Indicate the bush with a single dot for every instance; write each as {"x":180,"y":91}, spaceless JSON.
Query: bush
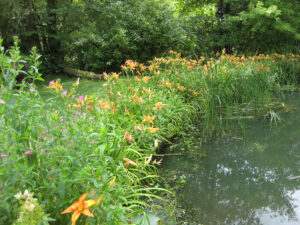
{"x":123,"y":30}
{"x":263,"y":28}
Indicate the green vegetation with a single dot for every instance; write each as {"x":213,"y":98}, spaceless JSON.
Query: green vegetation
{"x":249,"y":26}
{"x":100,"y":35}
{"x":59,"y":151}
{"x":94,"y":35}
{"x":69,"y":144}
{"x":67,"y":140}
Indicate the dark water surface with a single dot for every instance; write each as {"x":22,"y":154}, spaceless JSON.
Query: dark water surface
{"x":244,"y":181}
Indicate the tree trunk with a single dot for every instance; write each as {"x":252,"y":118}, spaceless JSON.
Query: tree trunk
{"x":54,"y":54}
{"x":30,"y":36}
{"x":220,"y":11}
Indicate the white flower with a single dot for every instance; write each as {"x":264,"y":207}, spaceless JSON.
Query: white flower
{"x":19,"y":196}
{"x":26,"y":193}
{"x":29,"y":207}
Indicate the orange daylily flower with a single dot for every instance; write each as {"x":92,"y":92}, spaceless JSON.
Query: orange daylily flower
{"x":151,"y":68}
{"x":159,"y":105}
{"x":168,"y":84}
{"x":129,"y":162}
{"x":114,"y":108}
{"x":104,"y":105}
{"x":115,"y":76}
{"x":145,"y":79}
{"x":84,"y":100}
{"x":128,"y":137}
{"x":150,"y":95}
{"x":80,"y":206}
{"x":142,"y":67}
{"x":148,"y":119}
{"x":144,"y":90}
{"x":153,"y":130}
{"x":130,"y":89}
{"x":105,"y":76}
{"x":55,"y":85}
{"x":140,"y":100}
{"x":131,"y":64}
{"x":126,"y":111}
{"x":80,"y":101}
{"x":181,"y":88}
{"x":90,"y":107}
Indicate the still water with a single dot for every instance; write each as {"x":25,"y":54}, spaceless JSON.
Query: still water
{"x":250,"y":180}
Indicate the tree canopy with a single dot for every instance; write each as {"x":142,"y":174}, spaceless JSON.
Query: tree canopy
{"x":100,"y":35}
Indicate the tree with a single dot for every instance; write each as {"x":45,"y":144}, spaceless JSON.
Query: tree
{"x":38,"y":23}
{"x":188,"y":5}
{"x":243,"y":26}
{"x":91,"y":34}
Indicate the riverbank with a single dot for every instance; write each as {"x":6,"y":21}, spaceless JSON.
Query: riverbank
{"x":105,"y":144}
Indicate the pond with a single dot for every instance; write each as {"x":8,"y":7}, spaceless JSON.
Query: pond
{"x":249,"y":180}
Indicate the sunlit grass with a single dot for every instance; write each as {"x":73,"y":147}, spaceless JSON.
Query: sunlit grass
{"x":87,"y":86}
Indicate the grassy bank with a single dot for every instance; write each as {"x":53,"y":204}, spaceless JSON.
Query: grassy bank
{"x":104,"y":144}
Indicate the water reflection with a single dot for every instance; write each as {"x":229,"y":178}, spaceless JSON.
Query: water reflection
{"x":244,"y":182}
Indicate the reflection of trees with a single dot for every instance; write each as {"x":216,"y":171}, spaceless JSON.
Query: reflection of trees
{"x":227,"y":196}
{"x":237,"y":186}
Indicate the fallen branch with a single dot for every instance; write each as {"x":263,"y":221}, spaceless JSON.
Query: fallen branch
{"x":292,"y":178}
{"x":171,"y":154}
{"x":80,"y":73}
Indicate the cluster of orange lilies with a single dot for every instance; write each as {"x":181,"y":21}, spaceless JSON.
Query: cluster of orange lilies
{"x":140,"y":90}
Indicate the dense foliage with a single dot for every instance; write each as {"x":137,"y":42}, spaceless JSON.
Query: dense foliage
{"x":249,"y":26}
{"x":100,"y":35}
{"x":69,"y":144}
{"x":65,"y":146}
{"x":96,"y":35}
{"x":120,"y":30}
{"x":95,"y":155}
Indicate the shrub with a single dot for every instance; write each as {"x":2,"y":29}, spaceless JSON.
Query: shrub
{"x":262,"y":28}
{"x":123,"y":30}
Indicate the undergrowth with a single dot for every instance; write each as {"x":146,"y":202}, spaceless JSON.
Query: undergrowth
{"x":70,"y":144}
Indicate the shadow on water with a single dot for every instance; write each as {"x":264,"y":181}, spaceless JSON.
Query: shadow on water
{"x":240,"y":181}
